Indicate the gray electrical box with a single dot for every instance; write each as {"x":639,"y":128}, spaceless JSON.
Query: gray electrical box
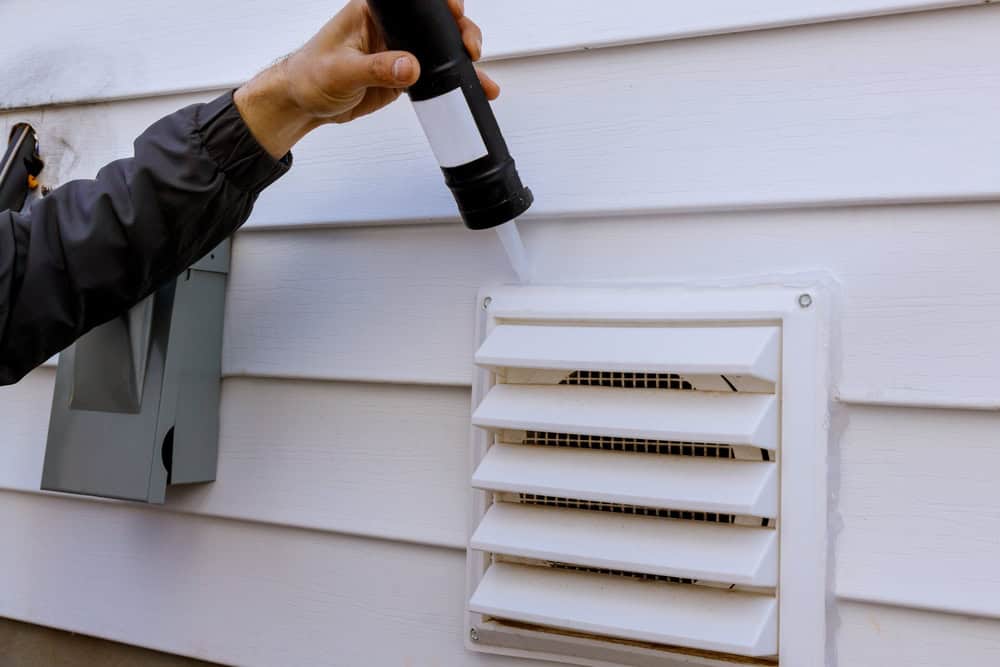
{"x":136,"y":404}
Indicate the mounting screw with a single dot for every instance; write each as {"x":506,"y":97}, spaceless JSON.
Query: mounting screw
{"x":474,"y":635}
{"x":486,"y":302}
{"x":805,"y":300}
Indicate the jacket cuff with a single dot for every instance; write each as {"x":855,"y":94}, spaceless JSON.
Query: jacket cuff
{"x":234,"y":149}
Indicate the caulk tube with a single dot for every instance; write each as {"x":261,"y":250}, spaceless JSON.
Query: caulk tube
{"x":454,"y":112}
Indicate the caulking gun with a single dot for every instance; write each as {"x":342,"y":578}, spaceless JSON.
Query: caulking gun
{"x":458,"y":120}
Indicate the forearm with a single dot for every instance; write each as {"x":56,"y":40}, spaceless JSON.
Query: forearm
{"x":91,"y":249}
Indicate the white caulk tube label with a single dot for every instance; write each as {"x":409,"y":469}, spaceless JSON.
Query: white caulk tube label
{"x":451,"y":129}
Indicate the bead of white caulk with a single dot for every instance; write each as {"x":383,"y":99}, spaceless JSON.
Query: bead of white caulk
{"x":510,"y":237}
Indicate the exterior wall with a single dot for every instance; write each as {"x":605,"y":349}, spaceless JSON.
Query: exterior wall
{"x":864,"y":149}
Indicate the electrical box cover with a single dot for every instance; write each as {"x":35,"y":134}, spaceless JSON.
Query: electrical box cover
{"x":136,"y":404}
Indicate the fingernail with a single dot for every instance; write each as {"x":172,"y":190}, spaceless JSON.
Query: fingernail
{"x":402,"y":69}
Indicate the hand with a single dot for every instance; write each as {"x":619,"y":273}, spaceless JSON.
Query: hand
{"x":342,"y":73}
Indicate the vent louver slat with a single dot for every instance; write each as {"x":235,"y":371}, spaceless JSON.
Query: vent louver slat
{"x":688,"y":549}
{"x":670,"y":482}
{"x":670,"y":614}
{"x":738,"y":351}
{"x":709,"y":417}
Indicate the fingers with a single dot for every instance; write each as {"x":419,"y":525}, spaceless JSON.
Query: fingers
{"x":472,"y":37}
{"x":399,"y":69}
{"x":490,"y":87}
{"x":389,"y":69}
{"x":457,"y":8}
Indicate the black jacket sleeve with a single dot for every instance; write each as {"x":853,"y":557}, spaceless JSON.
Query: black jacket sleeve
{"x":90,"y":250}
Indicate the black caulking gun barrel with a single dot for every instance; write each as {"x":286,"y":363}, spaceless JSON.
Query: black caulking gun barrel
{"x":455,"y":114}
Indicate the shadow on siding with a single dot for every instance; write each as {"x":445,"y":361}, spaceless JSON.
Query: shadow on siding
{"x":24,"y":645}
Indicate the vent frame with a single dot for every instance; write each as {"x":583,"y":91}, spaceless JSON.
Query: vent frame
{"x":804,"y":380}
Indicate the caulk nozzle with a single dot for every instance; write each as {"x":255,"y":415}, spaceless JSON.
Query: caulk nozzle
{"x":510,"y":237}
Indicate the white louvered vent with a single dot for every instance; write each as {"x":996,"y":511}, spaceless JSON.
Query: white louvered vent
{"x":633,"y":456}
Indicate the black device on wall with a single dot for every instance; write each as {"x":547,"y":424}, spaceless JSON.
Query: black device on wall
{"x":19,"y":168}
{"x":454,"y":112}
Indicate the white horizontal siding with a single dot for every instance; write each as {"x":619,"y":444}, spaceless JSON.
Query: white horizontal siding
{"x":24,"y":416}
{"x":388,"y":304}
{"x":75,"y":57}
{"x":916,"y":495}
{"x":824,"y":114}
{"x":817,"y":114}
{"x":918,"y":313}
{"x":877,"y":636}
{"x":333,"y":599}
{"x":372,"y":460}
{"x":919,"y":505}
{"x":383,"y":461}
{"x":918,"y":310}
{"x":231,"y":592}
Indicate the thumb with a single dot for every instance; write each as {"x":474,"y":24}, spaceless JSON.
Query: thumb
{"x":389,"y":69}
